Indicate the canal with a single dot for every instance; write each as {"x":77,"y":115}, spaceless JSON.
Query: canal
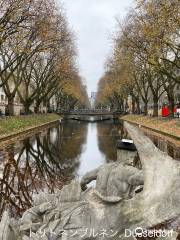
{"x":52,"y":158}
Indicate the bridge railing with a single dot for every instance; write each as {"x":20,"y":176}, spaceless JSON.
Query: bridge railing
{"x":90,"y":111}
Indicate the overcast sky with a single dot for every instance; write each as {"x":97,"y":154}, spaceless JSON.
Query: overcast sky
{"x":93,"y":21}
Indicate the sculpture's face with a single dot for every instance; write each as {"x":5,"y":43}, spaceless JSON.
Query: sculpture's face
{"x":126,"y":157}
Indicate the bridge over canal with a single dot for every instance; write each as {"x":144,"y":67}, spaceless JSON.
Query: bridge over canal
{"x":91,"y":115}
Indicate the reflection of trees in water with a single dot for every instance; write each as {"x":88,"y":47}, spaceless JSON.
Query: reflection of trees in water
{"x":107,"y":139}
{"x":70,"y":142}
{"x":44,"y":162}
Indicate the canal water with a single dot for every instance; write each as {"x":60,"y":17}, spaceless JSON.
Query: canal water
{"x":52,"y":158}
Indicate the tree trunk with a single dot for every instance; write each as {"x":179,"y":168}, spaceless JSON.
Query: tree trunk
{"x":27,"y":108}
{"x":171,"y":105}
{"x":48,"y":106}
{"x":133,"y":105}
{"x":146,"y":108}
{"x":10,"y":106}
{"x":36,"y":108}
{"x":138,"y":106}
{"x":155,"y":106}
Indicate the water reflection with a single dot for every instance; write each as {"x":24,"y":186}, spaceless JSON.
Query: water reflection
{"x":44,"y":162}
{"x":107,"y":138}
{"x":91,"y":157}
{"x":100,"y":146}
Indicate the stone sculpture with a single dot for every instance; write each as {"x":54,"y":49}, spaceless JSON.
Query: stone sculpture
{"x":105,"y":213}
{"x":116,"y":180}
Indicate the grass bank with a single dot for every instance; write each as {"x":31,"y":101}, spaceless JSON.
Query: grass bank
{"x":17,"y":124}
{"x":168,"y":127}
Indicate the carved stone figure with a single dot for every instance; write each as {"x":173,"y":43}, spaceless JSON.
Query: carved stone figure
{"x":75,"y":214}
{"x":116,"y":179}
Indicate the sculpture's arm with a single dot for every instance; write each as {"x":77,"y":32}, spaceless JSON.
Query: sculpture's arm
{"x":136,"y":178}
{"x":89,"y":177}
